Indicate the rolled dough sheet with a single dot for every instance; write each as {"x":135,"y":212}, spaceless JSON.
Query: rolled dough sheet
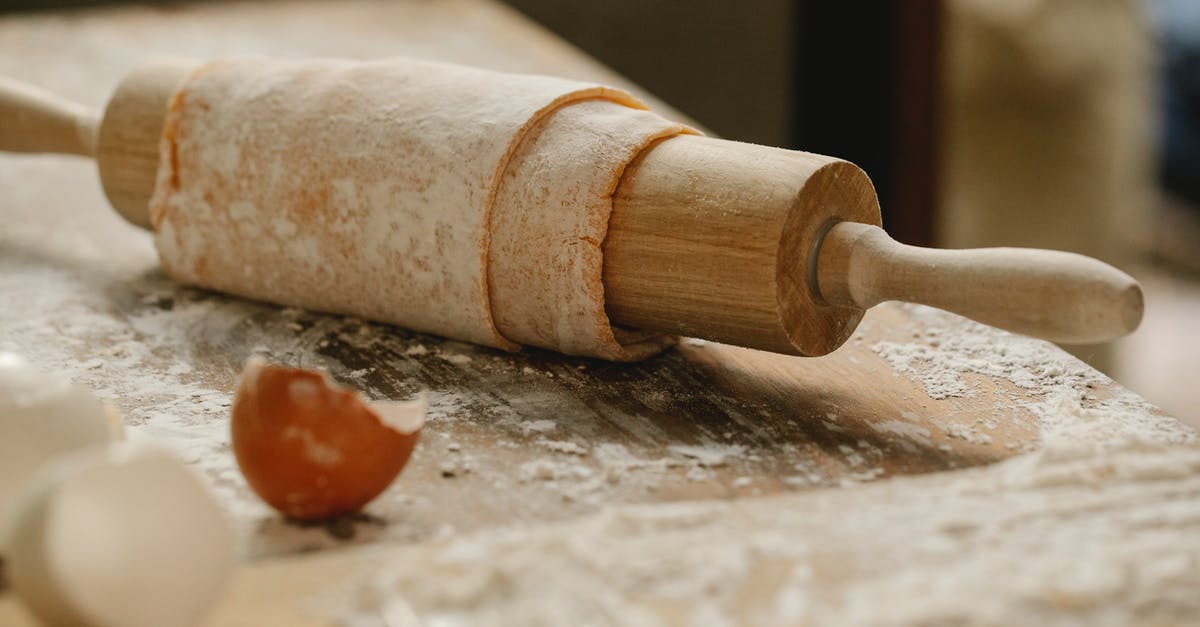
{"x":355,"y":187}
{"x":551,"y":216}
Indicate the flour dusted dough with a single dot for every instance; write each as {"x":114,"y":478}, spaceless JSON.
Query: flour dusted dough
{"x":353,"y":187}
{"x":551,"y":216}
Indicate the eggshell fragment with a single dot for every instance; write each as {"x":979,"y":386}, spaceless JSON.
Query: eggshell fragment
{"x":42,"y":415}
{"x":311,"y":448}
{"x":120,"y":535}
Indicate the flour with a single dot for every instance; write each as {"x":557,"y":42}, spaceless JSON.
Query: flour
{"x":903,"y":428}
{"x":952,"y":349}
{"x":538,"y":426}
{"x":552,"y":470}
{"x":133,"y":340}
{"x":710,"y":455}
{"x":457,"y":359}
{"x":1095,"y":526}
{"x":621,"y":466}
{"x":953,"y":352}
{"x":1054,"y":537}
{"x":560,"y":446}
{"x":598,"y":475}
{"x":456,"y":466}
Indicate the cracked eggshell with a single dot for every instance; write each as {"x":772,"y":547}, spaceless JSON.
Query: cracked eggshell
{"x":121,"y":535}
{"x":313,"y":449}
{"x":42,"y":415}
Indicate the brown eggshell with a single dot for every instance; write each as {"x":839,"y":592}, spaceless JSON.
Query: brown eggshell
{"x":311,"y":448}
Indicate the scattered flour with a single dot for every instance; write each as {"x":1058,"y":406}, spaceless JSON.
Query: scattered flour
{"x":457,"y":359}
{"x":456,"y":466}
{"x":710,"y":455}
{"x":416,"y":350}
{"x":538,"y":426}
{"x":952,"y":349}
{"x":545,"y":469}
{"x":560,"y":446}
{"x":952,"y":346}
{"x":905,"y":429}
{"x":1068,"y":537}
{"x":1099,"y":525}
{"x":132,"y":336}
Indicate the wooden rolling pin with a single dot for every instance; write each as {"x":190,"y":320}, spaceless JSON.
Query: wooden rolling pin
{"x":738,"y":243}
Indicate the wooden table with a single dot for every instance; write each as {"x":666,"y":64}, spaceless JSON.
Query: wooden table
{"x":514,"y":439}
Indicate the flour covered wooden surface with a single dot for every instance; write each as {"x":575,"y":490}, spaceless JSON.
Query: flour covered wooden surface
{"x":552,"y":450}
{"x":1084,"y":534}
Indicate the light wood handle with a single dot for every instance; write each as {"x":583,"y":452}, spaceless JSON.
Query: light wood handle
{"x":124,"y":141}
{"x":37,"y":121}
{"x":1053,"y":295}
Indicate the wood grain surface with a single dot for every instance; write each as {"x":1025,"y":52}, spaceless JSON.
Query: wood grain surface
{"x":789,"y":423}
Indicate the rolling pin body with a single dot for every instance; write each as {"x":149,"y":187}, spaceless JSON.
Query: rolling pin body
{"x":712,"y":238}
{"x":738,"y":243}
{"x":781,"y":250}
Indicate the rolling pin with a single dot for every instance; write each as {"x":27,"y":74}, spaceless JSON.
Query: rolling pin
{"x":743,"y":244}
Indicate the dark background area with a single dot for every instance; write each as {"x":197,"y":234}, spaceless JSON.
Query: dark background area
{"x":856,"y":80}
{"x":30,"y":5}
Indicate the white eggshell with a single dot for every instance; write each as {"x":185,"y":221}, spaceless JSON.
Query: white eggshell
{"x":121,"y":535}
{"x":42,"y":415}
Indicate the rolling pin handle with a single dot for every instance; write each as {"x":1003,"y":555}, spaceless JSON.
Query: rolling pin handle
{"x":1057,"y":296}
{"x":33,"y":120}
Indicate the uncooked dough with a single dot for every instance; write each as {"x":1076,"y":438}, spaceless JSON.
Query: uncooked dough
{"x":368,"y":188}
{"x":551,"y":216}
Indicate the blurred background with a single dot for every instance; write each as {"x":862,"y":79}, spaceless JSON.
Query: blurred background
{"x":1068,"y":124}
